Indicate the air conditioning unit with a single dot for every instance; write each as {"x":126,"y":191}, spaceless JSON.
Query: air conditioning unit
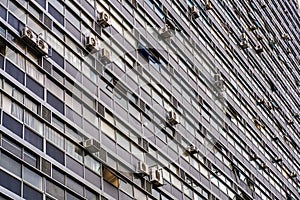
{"x":244,"y":44}
{"x":207,"y":5}
{"x":285,"y":36}
{"x":219,"y":82}
{"x":172,"y":117}
{"x":220,"y":85}
{"x":260,"y":101}
{"x":258,"y":48}
{"x":244,"y":36}
{"x":192,"y":149}
{"x":42,"y":46}
{"x":194,"y":12}
{"x":104,"y":19}
{"x":142,"y":168}
{"x":293,"y":174}
{"x":166,"y":32}
{"x":91,"y":145}
{"x":277,"y":159}
{"x":104,"y":56}
{"x":217,"y":77}
{"x":28,"y":35}
{"x":290,"y":121}
{"x":156,"y":177}
{"x":90,"y":42}
{"x":253,"y":156}
{"x":288,"y":50}
{"x":252,"y":27}
{"x":264,"y":165}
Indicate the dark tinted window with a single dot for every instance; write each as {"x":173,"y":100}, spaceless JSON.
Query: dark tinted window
{"x":55,"y":153}
{"x":12,"y":70}
{"x":54,"y":190}
{"x":33,"y":139}
{"x":2,"y":12}
{"x":13,"y":21}
{"x":57,"y":58}
{"x":10,"y":183}
{"x":30,"y":193}
{"x":42,"y":3}
{"x":12,"y":124}
{"x":59,"y":17}
{"x":55,"y":102}
{"x":35,"y":87}
{"x":74,"y":166}
{"x":1,"y":57}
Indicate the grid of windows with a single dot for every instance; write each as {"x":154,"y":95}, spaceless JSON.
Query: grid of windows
{"x":94,"y":123}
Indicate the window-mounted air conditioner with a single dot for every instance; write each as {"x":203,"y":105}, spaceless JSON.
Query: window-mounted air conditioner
{"x":156,"y":177}
{"x":218,"y":81}
{"x":192,"y":149}
{"x":293,"y":174}
{"x":285,"y":36}
{"x":28,"y":35}
{"x":244,"y":36}
{"x":104,"y":56}
{"x":166,"y":32}
{"x":252,"y":27}
{"x":277,"y":159}
{"x":260,"y":101}
{"x":91,"y":42}
{"x":290,"y":121}
{"x":91,"y":145}
{"x":42,"y":46}
{"x":104,"y":19}
{"x":264,"y":165}
{"x":244,"y":44}
{"x":194,"y":12}
{"x":173,"y":118}
{"x":258,"y":48}
{"x":142,"y":168}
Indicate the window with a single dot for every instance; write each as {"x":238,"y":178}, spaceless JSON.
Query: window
{"x":92,"y":164}
{"x":55,"y":153}
{"x":33,"y":139}
{"x":12,"y":124}
{"x":32,"y":177}
{"x":74,"y":185}
{"x":110,"y":177}
{"x":54,"y":190}
{"x":10,"y":183}
{"x":55,"y":102}
{"x":30,"y":193}
{"x":34,"y":123}
{"x":10,"y":164}
{"x":74,"y":150}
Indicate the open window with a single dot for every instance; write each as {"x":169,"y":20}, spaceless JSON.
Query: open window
{"x":110,"y":177}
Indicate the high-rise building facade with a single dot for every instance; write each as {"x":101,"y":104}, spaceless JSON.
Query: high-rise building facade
{"x":149,"y":99}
